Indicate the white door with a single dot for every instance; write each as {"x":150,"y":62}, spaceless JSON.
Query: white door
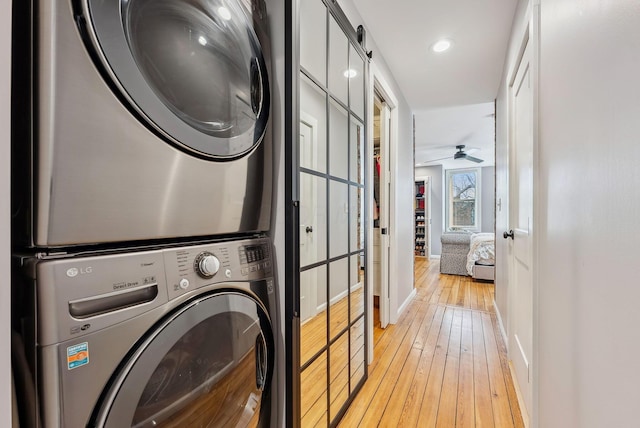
{"x":385,"y":207}
{"x":308,"y":287}
{"x":521,"y":220}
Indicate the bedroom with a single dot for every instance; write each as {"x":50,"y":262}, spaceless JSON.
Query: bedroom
{"x":459,"y":187}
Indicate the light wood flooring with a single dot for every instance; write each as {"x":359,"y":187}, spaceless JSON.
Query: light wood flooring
{"x":444,"y":364}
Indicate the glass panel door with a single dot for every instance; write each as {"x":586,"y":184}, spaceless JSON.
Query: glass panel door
{"x":331,"y":219}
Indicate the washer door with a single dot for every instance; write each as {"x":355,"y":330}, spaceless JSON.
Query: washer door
{"x":193,"y":69}
{"x":208,"y":364}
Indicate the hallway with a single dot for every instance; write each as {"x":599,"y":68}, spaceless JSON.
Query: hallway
{"x":443,"y":364}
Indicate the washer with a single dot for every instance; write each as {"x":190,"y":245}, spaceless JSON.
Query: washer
{"x":142,"y":120}
{"x":173,"y":337}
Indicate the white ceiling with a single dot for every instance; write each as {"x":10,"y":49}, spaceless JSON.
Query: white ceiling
{"x":439,"y":131}
{"x":460,"y":79}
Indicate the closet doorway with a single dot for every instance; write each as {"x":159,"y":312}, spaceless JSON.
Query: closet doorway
{"x":381,"y":209}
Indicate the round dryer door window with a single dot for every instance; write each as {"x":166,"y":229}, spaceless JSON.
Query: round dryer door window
{"x":208,"y":364}
{"x":192,"y":69}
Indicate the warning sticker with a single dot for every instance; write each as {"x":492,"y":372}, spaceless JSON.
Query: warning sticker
{"x":77,"y":355}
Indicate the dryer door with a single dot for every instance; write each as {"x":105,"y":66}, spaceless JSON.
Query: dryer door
{"x":208,"y":364}
{"x":192,"y":69}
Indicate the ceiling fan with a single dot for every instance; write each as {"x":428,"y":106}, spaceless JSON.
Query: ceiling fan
{"x":460,"y":154}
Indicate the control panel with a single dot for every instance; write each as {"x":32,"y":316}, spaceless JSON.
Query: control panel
{"x":192,"y":267}
{"x":97,"y":291}
{"x":254,"y":258}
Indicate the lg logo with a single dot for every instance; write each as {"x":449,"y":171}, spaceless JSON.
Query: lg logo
{"x":72,"y":272}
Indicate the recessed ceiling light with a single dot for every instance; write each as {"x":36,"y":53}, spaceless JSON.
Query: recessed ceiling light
{"x":202,"y":41}
{"x":441,"y":45}
{"x":224,"y":13}
{"x":350,"y":73}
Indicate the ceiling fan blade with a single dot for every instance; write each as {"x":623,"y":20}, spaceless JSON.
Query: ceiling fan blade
{"x":472,"y":159}
{"x":436,"y":160}
{"x":464,"y":139}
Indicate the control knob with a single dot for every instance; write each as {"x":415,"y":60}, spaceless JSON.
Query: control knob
{"x":206,"y":264}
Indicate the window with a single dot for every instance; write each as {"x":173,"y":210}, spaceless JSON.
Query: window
{"x":463,"y":204}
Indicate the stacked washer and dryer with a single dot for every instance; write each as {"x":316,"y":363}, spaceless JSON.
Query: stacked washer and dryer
{"x":144,"y":290}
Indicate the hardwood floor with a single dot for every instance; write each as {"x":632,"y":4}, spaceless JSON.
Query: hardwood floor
{"x":444,"y":363}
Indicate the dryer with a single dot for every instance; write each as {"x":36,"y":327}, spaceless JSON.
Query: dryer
{"x":172,"y":337}
{"x":141,"y":120}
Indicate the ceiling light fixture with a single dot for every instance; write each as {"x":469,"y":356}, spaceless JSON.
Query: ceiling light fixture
{"x":224,"y":13}
{"x":350,"y":73}
{"x":202,"y":41}
{"x":441,"y":45}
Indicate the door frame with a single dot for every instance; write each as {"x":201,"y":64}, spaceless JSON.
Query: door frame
{"x":384,"y":194}
{"x":530,"y":35}
{"x":379,"y":83}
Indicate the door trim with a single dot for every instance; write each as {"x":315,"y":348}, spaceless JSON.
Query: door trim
{"x":380,"y":84}
{"x":384,"y":212}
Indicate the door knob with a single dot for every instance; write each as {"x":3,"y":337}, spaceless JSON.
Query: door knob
{"x":508,"y":234}
{"x":308,"y":229}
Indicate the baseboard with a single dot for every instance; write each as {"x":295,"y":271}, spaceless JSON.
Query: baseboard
{"x":501,"y":325}
{"x":434,"y":257}
{"x":339,"y":297}
{"x":406,"y":303}
{"x":524,"y":412}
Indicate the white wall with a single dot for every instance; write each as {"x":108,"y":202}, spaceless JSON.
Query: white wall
{"x":5,"y":213}
{"x":589,"y":212}
{"x":488,"y":201}
{"x":402,"y":183}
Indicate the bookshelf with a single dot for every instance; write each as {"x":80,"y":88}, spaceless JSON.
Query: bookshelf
{"x":421,"y":220}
